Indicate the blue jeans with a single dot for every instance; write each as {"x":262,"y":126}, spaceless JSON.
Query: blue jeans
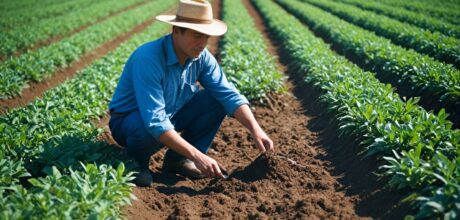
{"x":199,"y":120}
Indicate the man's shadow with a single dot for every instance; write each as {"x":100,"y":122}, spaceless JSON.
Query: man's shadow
{"x":256,"y":170}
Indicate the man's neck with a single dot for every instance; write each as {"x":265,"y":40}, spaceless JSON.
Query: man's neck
{"x":181,"y":56}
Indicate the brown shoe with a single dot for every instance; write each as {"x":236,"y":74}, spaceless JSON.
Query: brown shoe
{"x":184,"y":167}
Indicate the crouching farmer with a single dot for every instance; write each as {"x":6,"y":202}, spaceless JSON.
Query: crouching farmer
{"x":159,"y":95}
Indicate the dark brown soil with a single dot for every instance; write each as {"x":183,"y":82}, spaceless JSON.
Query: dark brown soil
{"x":291,"y":183}
{"x":36,"y":90}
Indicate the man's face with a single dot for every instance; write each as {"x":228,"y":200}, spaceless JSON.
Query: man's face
{"x":191,"y":42}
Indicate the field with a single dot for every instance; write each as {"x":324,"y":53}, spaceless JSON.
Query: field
{"x":361,"y":99}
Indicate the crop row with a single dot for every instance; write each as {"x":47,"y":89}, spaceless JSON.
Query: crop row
{"x":422,"y":74}
{"x":245,"y":58}
{"x":26,"y":4}
{"x":421,"y":20}
{"x":42,"y":63}
{"x":25,"y":36}
{"x":53,"y":135}
{"x":15,"y":19}
{"x":364,"y":108}
{"x":433,"y":8}
{"x":434,"y":44}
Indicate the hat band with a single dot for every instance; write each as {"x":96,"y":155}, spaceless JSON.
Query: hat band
{"x":192,"y":20}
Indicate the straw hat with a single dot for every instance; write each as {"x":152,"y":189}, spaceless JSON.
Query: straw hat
{"x":196,"y":15}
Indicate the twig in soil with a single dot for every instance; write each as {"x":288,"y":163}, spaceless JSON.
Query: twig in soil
{"x":270,"y":104}
{"x":291,"y":161}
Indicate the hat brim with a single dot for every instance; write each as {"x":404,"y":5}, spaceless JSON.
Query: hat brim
{"x":215,"y":28}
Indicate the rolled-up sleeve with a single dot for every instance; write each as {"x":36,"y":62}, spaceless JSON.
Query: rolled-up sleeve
{"x":147,"y":80}
{"x":213,"y":79}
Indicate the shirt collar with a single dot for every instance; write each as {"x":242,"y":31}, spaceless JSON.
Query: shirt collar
{"x":171,"y":57}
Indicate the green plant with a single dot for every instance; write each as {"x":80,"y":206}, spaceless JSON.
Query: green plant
{"x":96,"y":192}
{"x":245,"y":58}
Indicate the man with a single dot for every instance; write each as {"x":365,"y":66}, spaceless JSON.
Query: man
{"x":174,"y":84}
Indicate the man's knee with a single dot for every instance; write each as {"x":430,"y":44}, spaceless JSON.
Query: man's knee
{"x":141,"y":138}
{"x":140,"y":145}
{"x":132,"y":134}
{"x":213,"y":104}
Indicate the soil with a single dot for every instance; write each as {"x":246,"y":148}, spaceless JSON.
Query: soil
{"x":291,"y":183}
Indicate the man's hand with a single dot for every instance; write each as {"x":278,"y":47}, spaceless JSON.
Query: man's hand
{"x":208,"y":166}
{"x":244,"y":115}
{"x":263,"y":142}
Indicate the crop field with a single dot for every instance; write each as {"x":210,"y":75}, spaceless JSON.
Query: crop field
{"x":361,"y":99}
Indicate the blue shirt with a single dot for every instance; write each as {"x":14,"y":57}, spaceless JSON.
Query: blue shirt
{"x":154,"y":82}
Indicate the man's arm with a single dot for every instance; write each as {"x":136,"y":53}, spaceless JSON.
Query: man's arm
{"x":214,"y":80}
{"x":244,"y":115}
{"x":204,"y":163}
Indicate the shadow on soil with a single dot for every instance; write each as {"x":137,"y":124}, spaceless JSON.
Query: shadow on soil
{"x":166,"y":178}
{"x":173,"y":190}
{"x":256,"y":170}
